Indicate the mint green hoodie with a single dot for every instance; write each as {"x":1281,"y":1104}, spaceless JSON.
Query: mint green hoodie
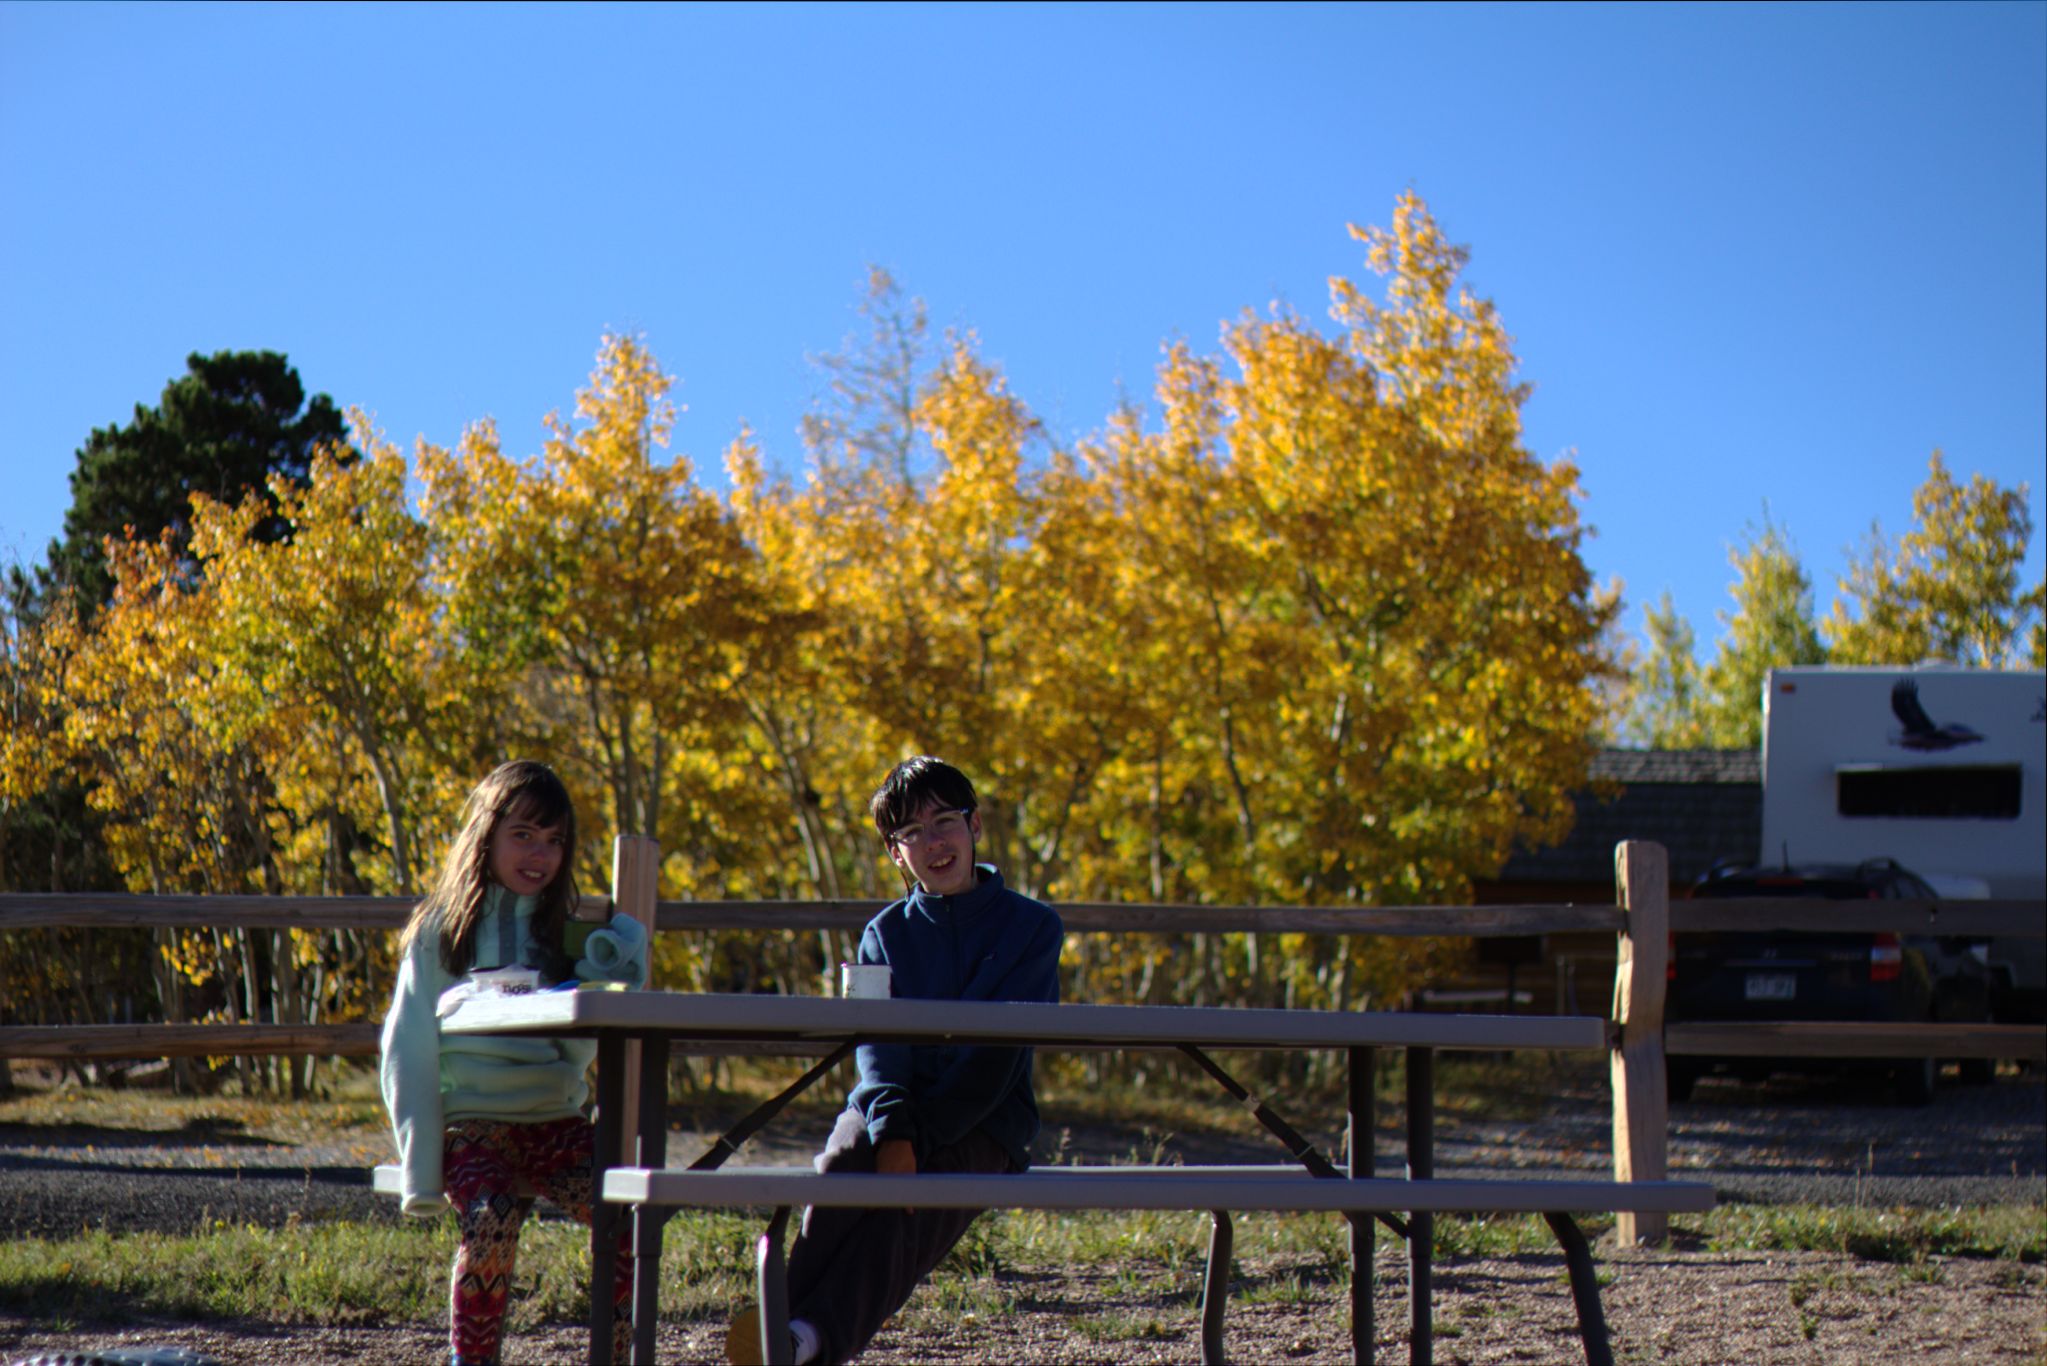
{"x":429,"y":1080}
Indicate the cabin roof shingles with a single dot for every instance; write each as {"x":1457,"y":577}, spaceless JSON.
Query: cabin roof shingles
{"x":1703,"y":805}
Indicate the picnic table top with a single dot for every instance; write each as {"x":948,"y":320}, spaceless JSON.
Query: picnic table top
{"x":812,"y":1019}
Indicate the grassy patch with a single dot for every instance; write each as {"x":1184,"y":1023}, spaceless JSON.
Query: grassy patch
{"x":977,"y":1253}
{"x":2013,"y":1232}
{"x":346,"y":1273}
{"x":343,"y":1273}
{"x":1177,"y":1099}
{"x":1092,"y":1238}
{"x":2015,"y":1276}
{"x":958,"y":1299}
{"x":1521,"y":1087}
{"x":72,"y":1113}
{"x":1106,"y":1328}
{"x":328,"y":1273}
{"x":1149,"y":1262}
{"x":1480,"y":1236}
{"x":1288,"y":1287}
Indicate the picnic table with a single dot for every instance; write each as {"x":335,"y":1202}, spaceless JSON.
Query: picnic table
{"x":658,"y":1020}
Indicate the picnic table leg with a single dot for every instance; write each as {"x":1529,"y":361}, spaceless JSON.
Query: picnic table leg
{"x":1363,"y":1062}
{"x":772,"y":1277}
{"x":1584,"y":1288}
{"x":729,"y":1142}
{"x":1421,"y":1224}
{"x":1215,"y":1287}
{"x":647,"y":1220}
{"x":604,"y":1215}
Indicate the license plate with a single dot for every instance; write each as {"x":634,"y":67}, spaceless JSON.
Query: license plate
{"x":1772,"y":986}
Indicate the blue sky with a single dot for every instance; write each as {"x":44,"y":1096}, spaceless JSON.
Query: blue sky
{"x":1750,"y":254}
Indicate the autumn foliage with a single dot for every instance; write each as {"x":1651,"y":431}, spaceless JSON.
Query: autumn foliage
{"x":1313,"y":629}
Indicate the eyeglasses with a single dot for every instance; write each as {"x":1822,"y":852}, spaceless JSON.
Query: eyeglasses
{"x":915,"y":833}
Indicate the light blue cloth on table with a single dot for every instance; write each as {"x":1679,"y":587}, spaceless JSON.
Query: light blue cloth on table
{"x":616,"y":953}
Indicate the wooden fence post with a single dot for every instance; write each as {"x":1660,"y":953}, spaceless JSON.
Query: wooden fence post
{"x":1641,"y":1099}
{"x":635,"y":869}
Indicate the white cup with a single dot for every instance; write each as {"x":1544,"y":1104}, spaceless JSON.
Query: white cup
{"x":507,"y":981}
{"x":864,"y":981}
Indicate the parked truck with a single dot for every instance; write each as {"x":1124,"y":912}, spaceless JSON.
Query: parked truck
{"x":1942,"y":769}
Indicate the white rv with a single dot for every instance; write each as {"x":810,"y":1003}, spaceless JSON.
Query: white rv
{"x":1943,"y":769}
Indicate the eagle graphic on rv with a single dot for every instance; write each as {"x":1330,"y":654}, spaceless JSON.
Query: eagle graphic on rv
{"x":1920,"y":732}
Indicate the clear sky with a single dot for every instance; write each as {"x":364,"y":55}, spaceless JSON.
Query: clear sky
{"x":1751,"y":255}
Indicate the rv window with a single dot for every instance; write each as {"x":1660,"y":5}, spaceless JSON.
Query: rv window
{"x":1986,"y":792}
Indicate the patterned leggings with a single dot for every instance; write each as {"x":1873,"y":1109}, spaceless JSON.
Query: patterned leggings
{"x":484,"y":1163}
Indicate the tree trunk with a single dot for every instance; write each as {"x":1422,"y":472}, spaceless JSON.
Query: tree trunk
{"x":393,"y":801}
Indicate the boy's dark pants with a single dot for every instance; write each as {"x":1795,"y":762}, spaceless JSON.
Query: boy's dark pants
{"x":851,"y":1269}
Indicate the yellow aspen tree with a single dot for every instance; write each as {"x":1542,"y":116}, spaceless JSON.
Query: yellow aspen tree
{"x":34,"y":655}
{"x":335,"y":621}
{"x":959,"y":593}
{"x":495,"y":593}
{"x":801,"y":731}
{"x":329,"y":634}
{"x":51,"y":974}
{"x":1498,"y":623}
{"x":836,"y":553}
{"x":1084,"y":685}
{"x":1666,"y":698}
{"x":653,"y":613}
{"x":1386,"y":590}
{"x":1950,"y":589}
{"x":1771,"y":627}
{"x":1210,"y":647}
{"x":173,"y":760}
{"x":1123,"y":683}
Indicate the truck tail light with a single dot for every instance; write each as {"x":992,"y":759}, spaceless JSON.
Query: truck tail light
{"x":1670,"y":963}
{"x":1886,"y":959}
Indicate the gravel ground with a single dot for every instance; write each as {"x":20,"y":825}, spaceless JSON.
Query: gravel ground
{"x":1670,"y":1308}
{"x":1781,"y":1142}
{"x":1784,"y":1141}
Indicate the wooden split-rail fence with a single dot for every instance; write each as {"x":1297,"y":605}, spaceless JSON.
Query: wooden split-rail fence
{"x":1643,"y":918}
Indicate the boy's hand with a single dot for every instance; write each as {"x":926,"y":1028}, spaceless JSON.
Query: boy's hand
{"x":896,"y":1157}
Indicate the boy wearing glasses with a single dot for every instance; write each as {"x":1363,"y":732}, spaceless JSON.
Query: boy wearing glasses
{"x":959,"y":935}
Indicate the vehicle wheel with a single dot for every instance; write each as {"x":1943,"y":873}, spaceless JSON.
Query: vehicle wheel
{"x":1915,"y":1078}
{"x":1682,"y":1074}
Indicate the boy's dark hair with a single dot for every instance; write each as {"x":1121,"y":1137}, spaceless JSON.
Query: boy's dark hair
{"x":913,"y":784}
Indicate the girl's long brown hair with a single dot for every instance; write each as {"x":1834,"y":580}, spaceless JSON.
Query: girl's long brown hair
{"x":520,"y":790}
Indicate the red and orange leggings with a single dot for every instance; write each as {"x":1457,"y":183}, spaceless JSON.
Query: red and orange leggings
{"x":484,"y":1163}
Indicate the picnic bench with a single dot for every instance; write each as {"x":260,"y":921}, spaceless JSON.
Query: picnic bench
{"x":1220,"y":1190}
{"x":644,"y":1187}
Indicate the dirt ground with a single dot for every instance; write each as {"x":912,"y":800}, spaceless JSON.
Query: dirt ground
{"x":1663,"y":1306}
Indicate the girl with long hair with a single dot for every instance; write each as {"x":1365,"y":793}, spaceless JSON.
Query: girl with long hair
{"x":480,"y":1122}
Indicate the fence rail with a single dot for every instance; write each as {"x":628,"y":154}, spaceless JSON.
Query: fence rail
{"x":102,"y":910}
{"x":99,"y":1042}
{"x":1974,"y":919}
{"x":1853,"y":1039}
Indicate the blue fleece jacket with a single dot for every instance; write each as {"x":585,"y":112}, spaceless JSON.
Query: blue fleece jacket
{"x":988,"y":944}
